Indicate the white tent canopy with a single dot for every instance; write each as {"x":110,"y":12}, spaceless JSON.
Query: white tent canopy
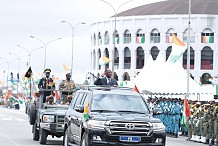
{"x":166,"y":78}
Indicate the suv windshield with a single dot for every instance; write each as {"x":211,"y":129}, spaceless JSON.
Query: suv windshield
{"x":118,"y":102}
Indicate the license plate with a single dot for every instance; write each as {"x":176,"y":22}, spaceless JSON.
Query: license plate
{"x":130,"y":138}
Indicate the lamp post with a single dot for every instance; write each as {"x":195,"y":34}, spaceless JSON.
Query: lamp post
{"x":18,"y":60}
{"x":45,"y":45}
{"x":29,"y":52}
{"x":6,"y":61}
{"x":114,"y":35}
{"x":73,"y":28}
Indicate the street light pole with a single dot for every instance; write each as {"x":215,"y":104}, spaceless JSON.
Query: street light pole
{"x":114,"y":35}
{"x":7,"y":69}
{"x":72,"y":27}
{"x":18,"y":62}
{"x":45,"y":45}
{"x":29,"y":52}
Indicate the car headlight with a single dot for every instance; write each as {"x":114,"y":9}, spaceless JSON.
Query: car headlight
{"x":96,"y":124}
{"x":158,"y":126}
{"x":48,"y":118}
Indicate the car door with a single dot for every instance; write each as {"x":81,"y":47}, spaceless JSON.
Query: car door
{"x":76,"y":119}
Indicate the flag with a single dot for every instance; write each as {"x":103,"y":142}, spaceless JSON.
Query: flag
{"x":186,"y":113}
{"x":28,"y":73}
{"x":178,"y":48}
{"x":86,"y":111}
{"x":56,"y":95}
{"x":104,"y":60}
{"x":9,"y":94}
{"x":136,"y":89}
{"x":66,"y":68}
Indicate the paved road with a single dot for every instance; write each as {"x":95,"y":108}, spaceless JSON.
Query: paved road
{"x":16,"y":131}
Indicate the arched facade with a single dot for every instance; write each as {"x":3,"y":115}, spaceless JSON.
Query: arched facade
{"x":135,"y":41}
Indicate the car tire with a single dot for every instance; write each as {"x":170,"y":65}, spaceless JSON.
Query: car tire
{"x":84,"y":141}
{"x":32,"y":114}
{"x":35,"y":132}
{"x":42,"y":136}
{"x":66,"y":140}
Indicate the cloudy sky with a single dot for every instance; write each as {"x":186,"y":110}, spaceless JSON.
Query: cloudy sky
{"x":20,"y":19}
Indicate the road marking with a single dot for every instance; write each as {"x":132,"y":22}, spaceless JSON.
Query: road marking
{"x":11,"y":140}
{"x":6,"y":119}
{"x":21,"y":120}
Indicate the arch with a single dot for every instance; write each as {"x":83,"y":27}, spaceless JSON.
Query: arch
{"x":127,"y":58}
{"x":116,"y":58}
{"x":99,"y":39}
{"x":192,"y":59}
{"x":155,"y":36}
{"x":154,"y":52}
{"x":99,"y":56}
{"x":94,"y":40}
{"x":94,"y":60}
{"x":185,"y":36}
{"x":127,"y":37}
{"x":168,"y":52}
{"x":106,"y":38}
{"x":126,"y":77}
{"x":117,"y":38}
{"x":169,"y":35}
{"x":106,"y":53}
{"x":205,"y":78}
{"x":140,"y":36}
{"x":207,"y":36}
{"x":140,"y":57}
{"x":207,"y":58}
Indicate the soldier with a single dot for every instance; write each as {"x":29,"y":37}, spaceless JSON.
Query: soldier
{"x":211,"y":123}
{"x":205,"y":124}
{"x":215,"y":116}
{"x":46,"y":83}
{"x":67,"y":87}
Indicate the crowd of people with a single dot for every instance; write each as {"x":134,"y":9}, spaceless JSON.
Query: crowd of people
{"x":201,"y":126}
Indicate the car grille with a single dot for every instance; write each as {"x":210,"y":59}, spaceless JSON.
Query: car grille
{"x":121,"y":128}
{"x":60,"y":120}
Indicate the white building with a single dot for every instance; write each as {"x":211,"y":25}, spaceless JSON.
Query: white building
{"x":148,"y":30}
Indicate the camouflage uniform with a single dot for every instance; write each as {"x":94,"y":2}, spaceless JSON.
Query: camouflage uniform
{"x":67,"y":88}
{"x":205,"y":125}
{"x":211,"y":124}
{"x":215,"y":115}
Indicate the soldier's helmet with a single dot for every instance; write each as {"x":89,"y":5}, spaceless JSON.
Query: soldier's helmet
{"x":47,"y":70}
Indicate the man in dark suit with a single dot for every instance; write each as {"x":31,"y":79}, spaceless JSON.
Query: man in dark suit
{"x":46,"y":83}
{"x":107,"y":80}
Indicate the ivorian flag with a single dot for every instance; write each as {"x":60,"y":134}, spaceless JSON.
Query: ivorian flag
{"x":178,"y":48}
{"x":104,"y":60}
{"x":86,"y":112}
{"x":186,"y":113}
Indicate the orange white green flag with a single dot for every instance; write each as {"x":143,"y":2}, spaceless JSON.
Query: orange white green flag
{"x":104,"y":60}
{"x":66,"y":68}
{"x":178,"y":48}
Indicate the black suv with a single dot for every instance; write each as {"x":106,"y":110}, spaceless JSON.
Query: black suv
{"x":116,"y":117}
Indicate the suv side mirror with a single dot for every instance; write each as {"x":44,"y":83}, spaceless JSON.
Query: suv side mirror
{"x":157,"y":111}
{"x":79,"y":108}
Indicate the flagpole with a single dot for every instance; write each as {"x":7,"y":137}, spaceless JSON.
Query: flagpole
{"x":188,"y":50}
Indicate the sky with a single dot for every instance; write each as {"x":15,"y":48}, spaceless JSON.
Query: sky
{"x":20,"y":19}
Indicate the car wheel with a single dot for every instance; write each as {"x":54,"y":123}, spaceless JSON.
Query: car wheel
{"x":32,"y":114}
{"x":42,"y":136}
{"x":84,"y":141}
{"x":66,"y":138}
{"x":35,"y":132}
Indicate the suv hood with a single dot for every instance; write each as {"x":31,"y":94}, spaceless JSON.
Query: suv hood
{"x":54,"y":111}
{"x":124,"y":117}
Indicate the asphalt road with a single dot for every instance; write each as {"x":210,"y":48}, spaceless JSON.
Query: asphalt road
{"x":16,"y":131}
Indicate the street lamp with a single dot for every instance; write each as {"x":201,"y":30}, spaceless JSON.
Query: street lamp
{"x":18,"y":62}
{"x":45,"y":45}
{"x":114,"y":35}
{"x":72,"y":27}
{"x":29,"y":52}
{"x":7,"y":69}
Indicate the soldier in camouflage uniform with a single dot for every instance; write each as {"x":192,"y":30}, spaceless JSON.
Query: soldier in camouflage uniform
{"x":215,"y":115}
{"x":211,"y":123}
{"x":205,"y":124}
{"x":67,"y":87}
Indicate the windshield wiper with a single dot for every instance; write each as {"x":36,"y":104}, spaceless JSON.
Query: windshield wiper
{"x":104,"y":111}
{"x":132,"y":112}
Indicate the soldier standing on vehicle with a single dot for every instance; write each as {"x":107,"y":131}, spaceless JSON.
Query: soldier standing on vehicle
{"x":67,"y":87}
{"x":47,"y":83}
